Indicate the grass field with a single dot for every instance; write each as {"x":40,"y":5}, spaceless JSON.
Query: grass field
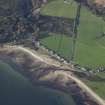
{"x":17,"y":90}
{"x":90,"y":50}
{"x":60,"y":44}
{"x":58,"y":8}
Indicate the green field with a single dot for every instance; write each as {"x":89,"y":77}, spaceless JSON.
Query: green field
{"x":97,"y":84}
{"x":17,"y":90}
{"x":58,"y":8}
{"x":53,"y":42}
{"x":90,"y":50}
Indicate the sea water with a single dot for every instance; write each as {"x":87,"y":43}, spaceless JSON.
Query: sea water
{"x":15,"y":89}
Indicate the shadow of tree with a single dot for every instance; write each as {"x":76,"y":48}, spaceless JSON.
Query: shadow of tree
{"x":54,"y":24}
{"x":43,"y":35}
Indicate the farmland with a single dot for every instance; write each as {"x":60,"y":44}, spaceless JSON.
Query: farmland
{"x":90,"y":49}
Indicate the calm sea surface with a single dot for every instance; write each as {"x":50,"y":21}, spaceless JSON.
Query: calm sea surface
{"x":17,"y":90}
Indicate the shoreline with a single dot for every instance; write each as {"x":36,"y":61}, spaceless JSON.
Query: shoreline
{"x":38,"y":71}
